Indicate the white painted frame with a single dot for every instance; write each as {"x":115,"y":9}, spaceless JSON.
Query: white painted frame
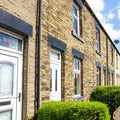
{"x":77,"y":17}
{"x":56,"y":63}
{"x":19,"y":55}
{"x":78,"y":72}
{"x":97,"y":40}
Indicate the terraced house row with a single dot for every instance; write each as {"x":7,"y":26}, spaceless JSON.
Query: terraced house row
{"x":51,"y":50}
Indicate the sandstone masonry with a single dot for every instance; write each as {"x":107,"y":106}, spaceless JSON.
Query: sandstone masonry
{"x":57,"y":34}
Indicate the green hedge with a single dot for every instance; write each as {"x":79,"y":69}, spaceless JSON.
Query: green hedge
{"x":110,"y":95}
{"x":73,"y":111}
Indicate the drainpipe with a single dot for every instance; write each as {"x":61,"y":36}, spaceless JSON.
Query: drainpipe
{"x":38,"y":46}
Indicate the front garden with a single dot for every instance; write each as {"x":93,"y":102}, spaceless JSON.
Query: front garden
{"x":107,"y":101}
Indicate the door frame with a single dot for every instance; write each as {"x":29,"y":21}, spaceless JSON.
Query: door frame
{"x":19,"y":55}
{"x":56,"y":62}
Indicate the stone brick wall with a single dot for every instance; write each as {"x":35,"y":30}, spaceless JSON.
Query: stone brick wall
{"x":111,"y":65}
{"x":59,"y":24}
{"x":26,"y":11}
{"x":103,"y":56}
{"x":57,"y":21}
{"x":89,"y":79}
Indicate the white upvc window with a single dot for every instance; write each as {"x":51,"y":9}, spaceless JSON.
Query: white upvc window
{"x":76,"y":19}
{"x":77,"y":77}
{"x":112,"y":75}
{"x":11,"y":42}
{"x":112,"y":55}
{"x":108,"y":78}
{"x":104,"y":77}
{"x":97,"y":40}
{"x":98,"y":77}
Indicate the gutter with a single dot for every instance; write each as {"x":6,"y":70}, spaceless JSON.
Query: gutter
{"x":38,"y":46}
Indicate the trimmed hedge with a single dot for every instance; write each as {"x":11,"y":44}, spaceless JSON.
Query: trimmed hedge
{"x":73,"y":111}
{"x":110,"y":95}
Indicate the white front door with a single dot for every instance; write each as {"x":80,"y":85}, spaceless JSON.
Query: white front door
{"x":10,"y":86}
{"x":55,"y":75}
{"x":10,"y":77}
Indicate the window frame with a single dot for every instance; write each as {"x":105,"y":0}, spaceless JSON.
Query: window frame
{"x":109,"y":78}
{"x":77,"y":18}
{"x":14,"y":35}
{"x":98,"y":76}
{"x":97,"y":40}
{"x":104,"y":77}
{"x":112,"y":77}
{"x":79,"y":73}
{"x":112,"y":55}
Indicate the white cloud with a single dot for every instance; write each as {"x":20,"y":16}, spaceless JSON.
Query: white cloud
{"x":118,"y":7}
{"x":118,"y":10}
{"x":111,"y":15}
{"x":95,"y":5}
{"x":98,"y":7}
{"x":113,"y":33}
{"x":119,"y":14}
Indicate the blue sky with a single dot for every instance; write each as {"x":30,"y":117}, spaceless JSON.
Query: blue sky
{"x":108,"y":12}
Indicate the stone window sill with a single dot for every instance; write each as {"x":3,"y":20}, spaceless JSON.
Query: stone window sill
{"x":77,"y":36}
{"x":98,"y":52}
{"x":79,"y":98}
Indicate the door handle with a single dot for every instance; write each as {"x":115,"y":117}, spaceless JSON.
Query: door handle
{"x":19,"y":97}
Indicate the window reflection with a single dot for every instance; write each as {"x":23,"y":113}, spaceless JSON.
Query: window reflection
{"x":10,"y":42}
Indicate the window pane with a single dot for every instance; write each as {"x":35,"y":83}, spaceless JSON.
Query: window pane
{"x":6,"y":115}
{"x":104,"y":77}
{"x":75,"y":25}
{"x":10,"y":42}
{"x":97,"y":40}
{"x":55,"y":55}
{"x":112,"y":79}
{"x":108,"y":81}
{"x":96,"y":34}
{"x":77,"y":77}
{"x":74,"y":10}
{"x":98,"y":77}
{"x":97,"y":45}
{"x":76,"y":65}
{"x":77,"y":84}
{"x":6,"y":79}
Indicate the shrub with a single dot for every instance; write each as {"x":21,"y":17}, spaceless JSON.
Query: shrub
{"x":73,"y":111}
{"x":110,"y":95}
